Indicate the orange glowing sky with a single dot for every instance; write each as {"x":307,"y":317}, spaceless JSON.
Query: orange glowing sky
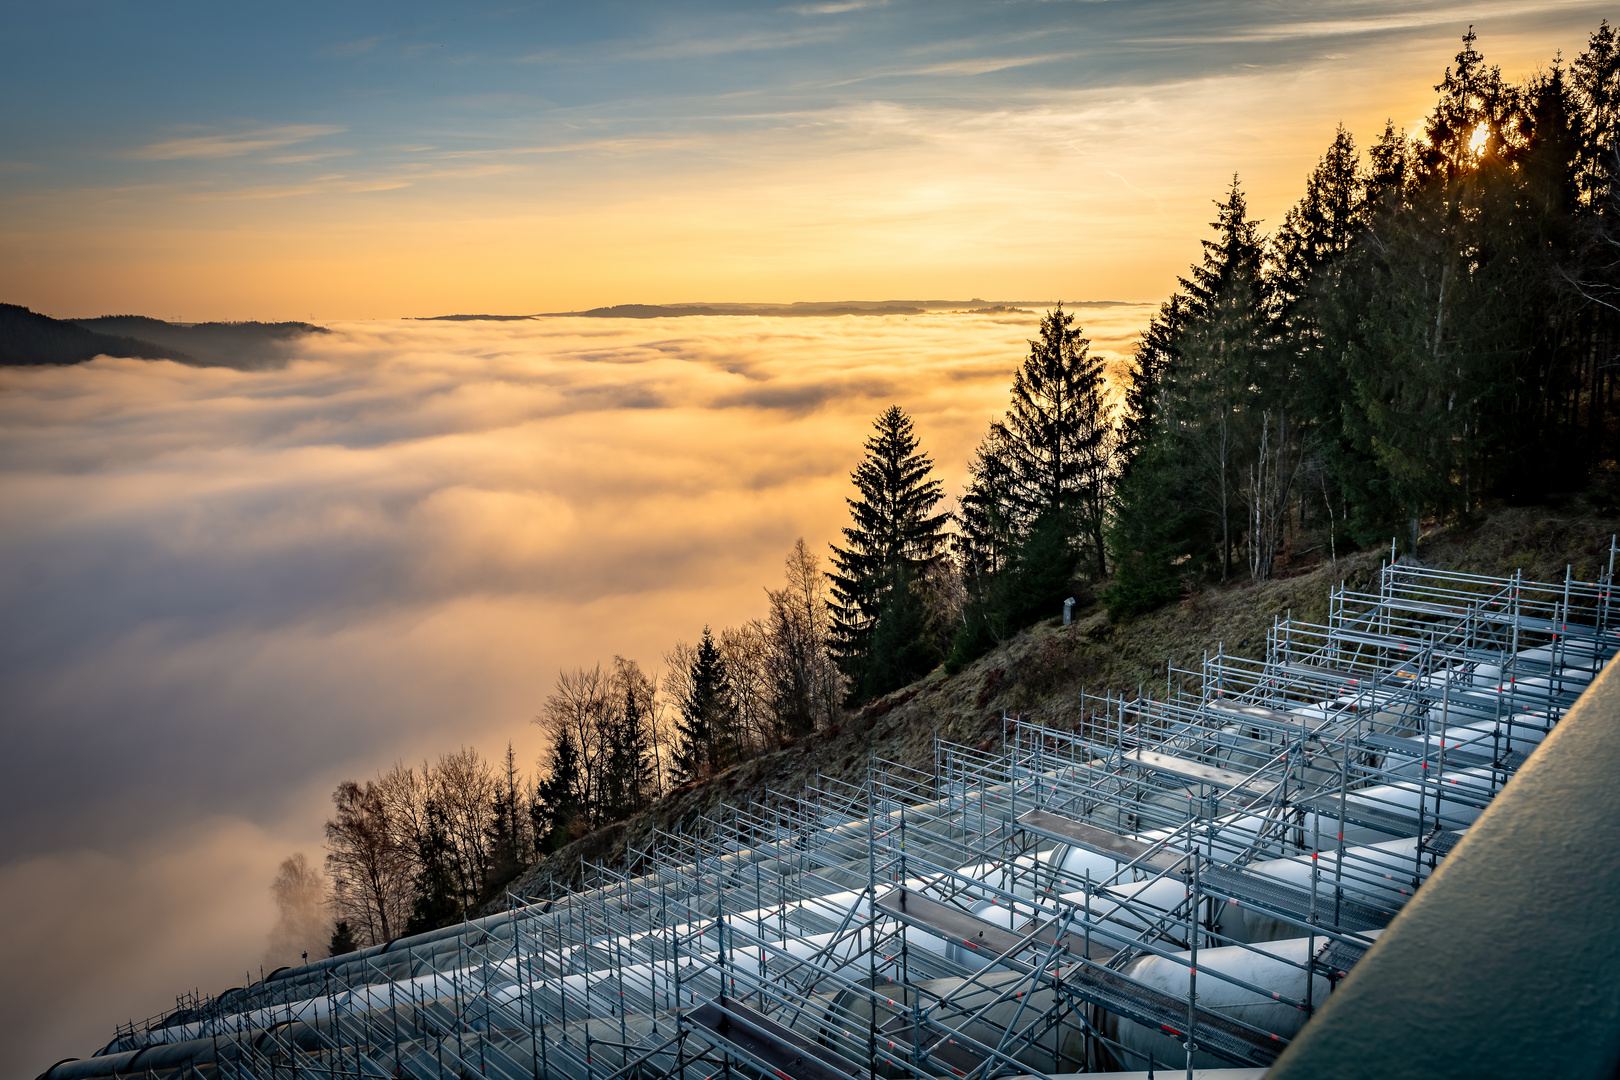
{"x":390,"y":160}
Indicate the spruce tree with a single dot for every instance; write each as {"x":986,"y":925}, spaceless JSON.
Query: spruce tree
{"x":507,"y":847}
{"x":895,"y":532}
{"x":436,"y":886}
{"x":1152,"y":361}
{"x":987,"y":518}
{"x":1225,"y":376}
{"x":1146,"y":534}
{"x":1312,"y":259}
{"x":1058,"y":429}
{"x":903,"y":646}
{"x":558,"y":798}
{"x":627,"y":754}
{"x":704,"y":730}
{"x":1595,"y":82}
{"x":343,"y":941}
{"x":1037,"y":494}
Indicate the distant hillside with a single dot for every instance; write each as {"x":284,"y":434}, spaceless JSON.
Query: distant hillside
{"x":1039,"y":673}
{"x":827,"y":308}
{"x":247,"y":346}
{"x":29,"y":338}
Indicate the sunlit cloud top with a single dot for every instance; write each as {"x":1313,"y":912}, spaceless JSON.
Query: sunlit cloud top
{"x":224,"y":590}
{"x":377,"y":160}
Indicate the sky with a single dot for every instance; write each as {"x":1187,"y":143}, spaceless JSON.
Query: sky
{"x":224,"y":591}
{"x":226,"y":161}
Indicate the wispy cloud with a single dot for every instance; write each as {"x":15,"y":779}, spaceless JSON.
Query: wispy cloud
{"x":352,"y":48}
{"x":224,"y":146}
{"x":984,"y":65}
{"x":694,"y":48}
{"x":834,"y":7}
{"x":1371,"y":23}
{"x":321,"y":186}
{"x":298,"y":159}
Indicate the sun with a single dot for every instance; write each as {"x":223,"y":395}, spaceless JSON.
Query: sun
{"x":1476,"y":141}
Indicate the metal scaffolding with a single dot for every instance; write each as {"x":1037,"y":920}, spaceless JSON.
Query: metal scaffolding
{"x":1144,"y":883}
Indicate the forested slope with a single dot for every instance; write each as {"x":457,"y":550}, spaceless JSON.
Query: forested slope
{"x":1415,"y":360}
{"x":1039,"y":674}
{"x":27,"y":338}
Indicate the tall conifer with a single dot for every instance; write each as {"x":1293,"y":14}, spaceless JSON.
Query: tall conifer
{"x":894,"y":533}
{"x":1058,"y":430}
{"x":704,"y":731}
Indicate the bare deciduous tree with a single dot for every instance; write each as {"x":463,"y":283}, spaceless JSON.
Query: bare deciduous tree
{"x":745,"y":650}
{"x":806,"y":683}
{"x":371,"y":872}
{"x":579,"y":705}
{"x":464,"y":787}
{"x":1272,"y":476}
{"x":302,"y":924}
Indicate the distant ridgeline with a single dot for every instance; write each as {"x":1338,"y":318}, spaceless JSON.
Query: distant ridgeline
{"x":836,"y":307}
{"x":27,"y":338}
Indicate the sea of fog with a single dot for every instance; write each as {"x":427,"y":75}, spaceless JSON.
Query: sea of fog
{"x":225,"y":591}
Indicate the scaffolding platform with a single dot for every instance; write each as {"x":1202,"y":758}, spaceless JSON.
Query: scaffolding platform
{"x":917,"y":921}
{"x":1197,"y":772}
{"x":779,"y":1049}
{"x":1257,"y":890}
{"x":1100,"y":841}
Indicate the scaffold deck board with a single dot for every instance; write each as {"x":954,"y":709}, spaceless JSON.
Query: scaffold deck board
{"x":1259,"y":712}
{"x":777,"y":1047}
{"x":1156,"y":1009}
{"x":940,"y":1046}
{"x":1196,"y":771}
{"x":1327,"y":674}
{"x":1099,"y":841}
{"x":959,"y":928}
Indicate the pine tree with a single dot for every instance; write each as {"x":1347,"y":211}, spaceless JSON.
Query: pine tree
{"x":506,"y":843}
{"x":1225,"y":376}
{"x":437,"y":887}
{"x":1058,"y":429}
{"x":895,"y":532}
{"x":903,"y":646}
{"x":704,"y":730}
{"x":343,"y":941}
{"x":559,"y":798}
{"x":627,"y":765}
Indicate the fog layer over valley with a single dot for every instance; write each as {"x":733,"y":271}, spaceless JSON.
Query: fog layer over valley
{"x":226,"y":590}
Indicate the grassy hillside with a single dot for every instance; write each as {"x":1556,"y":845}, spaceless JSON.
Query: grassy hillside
{"x":1038,"y":674}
